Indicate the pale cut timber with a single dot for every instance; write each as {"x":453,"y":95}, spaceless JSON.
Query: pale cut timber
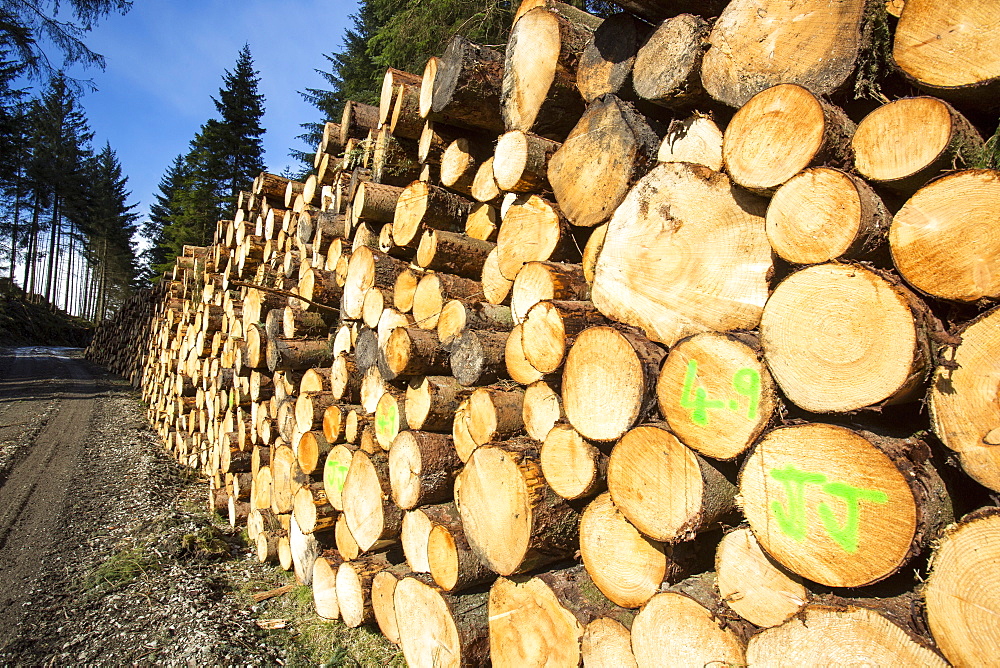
{"x":668,"y":66}
{"x":533,"y":230}
{"x":538,"y":281}
{"x":592,"y":251}
{"x":950,"y":50}
{"x":304,"y":549}
{"x":371,"y":515}
{"x":550,"y":328}
{"x":367,"y":268}
{"x":422,"y":468}
{"x":606,"y":65}
{"x":459,"y":315}
{"x":539,"y":85}
{"x":405,"y":120}
{"x":607,"y":643}
{"x":453,"y":253}
{"x":694,"y":635}
{"x":540,"y":412}
{"x":346,"y":545}
{"x":412,"y":351}
{"x":781,"y":131}
{"x":608,"y":150}
{"x":574,"y":467}
{"x":904,"y":144}
{"x":540,"y":621}
{"x":872,"y":348}
{"x":577,"y":15}
{"x":435,"y":290}
{"x":841,"y":507}
{"x":696,"y":139}
{"x":814,"y":44}
{"x":383,"y":588}
{"x":511,"y":517}
{"x":354,"y":586}
{"x":390,"y":420}
{"x":516,"y":364}
{"x":495,"y":413}
{"x":625,"y":565}
{"x":453,"y":563}
{"x":826,"y":635}
{"x":421,"y":206}
{"x":324,"y":587}
{"x":459,"y":165}
{"x":496,"y":286}
{"x":312,"y":510}
{"x":374,"y":202}
{"x":964,"y":411}
{"x":608,"y":381}
{"x":357,"y":121}
{"x":484,"y":185}
{"x":942,"y":240}
{"x":521,"y":161}
{"x":390,"y":87}
{"x":417,"y":526}
{"x":823,"y":214}
{"x":662,"y":487}
{"x":754,"y":585}
{"x":716,"y":393}
{"x":431,"y":402}
{"x":962,"y":594}
{"x":466,"y":87}
{"x":438,"y":629}
{"x":707,"y":241}
{"x":483,"y":222}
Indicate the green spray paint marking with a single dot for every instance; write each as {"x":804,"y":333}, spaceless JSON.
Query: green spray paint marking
{"x":745,"y":382}
{"x":385,"y":422}
{"x":336,"y":474}
{"x":791,"y":518}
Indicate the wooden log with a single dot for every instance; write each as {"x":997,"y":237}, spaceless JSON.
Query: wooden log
{"x":464,"y":87}
{"x":354,"y":588}
{"x":754,"y":586}
{"x":781,"y":131}
{"x":346,"y":545}
{"x":431,"y":402}
{"x":823,"y":214}
{"x":662,"y":487}
{"x":458,"y":315}
{"x":405,"y":120}
{"x":312,"y":510}
{"x":311,"y":451}
{"x":754,"y":47}
{"x":860,"y":632}
{"x":435,"y":290}
{"x":838,"y":370}
{"x":453,"y":253}
{"x":716,"y":394}
{"x":958,"y":593}
{"x":607,"y":643}
{"x":696,"y":139}
{"x":477,"y":357}
{"x":453,"y":563}
{"x":422,"y":206}
{"x":482,"y":222}
{"x":434,"y":624}
{"x":551,"y":327}
{"x":654,"y":11}
{"x":963,"y":412}
{"x":417,"y":526}
{"x":511,"y":517}
{"x":539,"y":85}
{"x":390,"y":418}
{"x":608,"y":150}
{"x":324,"y":586}
{"x":495,"y":414}
{"x":358,"y":119}
{"x":394,"y":159}
{"x":391,"y":81}
{"x":435,"y":138}
{"x":371,"y":515}
{"x":383,"y":587}
{"x":841,"y":507}
{"x":696,"y":634}
{"x":368,"y":268}
{"x":668,"y":66}
{"x":938,"y":241}
{"x":484,"y":185}
{"x":541,"y":619}
{"x":905,"y":143}
{"x":606,"y":63}
{"x":422,"y":468}
{"x":374,"y":202}
{"x":625,"y":565}
{"x":949,"y":51}
{"x":608,"y":380}
{"x":574,"y":467}
{"x":459,"y":165}
{"x":521,"y":161}
{"x":533,"y":230}
{"x":496,"y":286}
{"x":541,"y":410}
{"x":298,"y":354}
{"x":730,"y":272}
{"x":539,"y":281}
{"x":345,"y":379}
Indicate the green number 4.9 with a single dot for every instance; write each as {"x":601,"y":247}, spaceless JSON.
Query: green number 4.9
{"x":745,"y":382}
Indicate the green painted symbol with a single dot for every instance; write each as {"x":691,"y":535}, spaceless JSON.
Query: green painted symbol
{"x":791,"y":517}
{"x":336,"y":474}
{"x":745,"y":382}
{"x":385,"y":422}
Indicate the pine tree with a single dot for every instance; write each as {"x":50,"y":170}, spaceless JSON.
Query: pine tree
{"x":163,"y":210}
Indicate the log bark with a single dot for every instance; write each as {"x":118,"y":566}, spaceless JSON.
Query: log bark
{"x":423,"y":206}
{"x":354,"y":588}
{"x":841,"y":507}
{"x":357,"y":121}
{"x":706,"y":239}
{"x":391,"y":82}
{"x":539,"y":281}
{"x":477,"y":357}
{"x":606,"y":63}
{"x":609,"y":149}
{"x":838,"y":369}
{"x":453,"y":253}
{"x":464,"y":89}
{"x":459,"y":315}
{"x":668,"y":66}
{"x":435,"y":290}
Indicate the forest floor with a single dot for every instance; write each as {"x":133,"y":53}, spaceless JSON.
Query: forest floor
{"x":108,"y":555}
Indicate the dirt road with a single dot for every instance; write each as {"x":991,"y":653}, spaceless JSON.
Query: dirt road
{"x":103,"y":555}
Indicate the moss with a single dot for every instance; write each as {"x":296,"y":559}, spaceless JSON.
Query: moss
{"x":875,"y":58}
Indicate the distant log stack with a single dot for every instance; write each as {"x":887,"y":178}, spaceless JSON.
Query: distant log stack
{"x":556,"y":358}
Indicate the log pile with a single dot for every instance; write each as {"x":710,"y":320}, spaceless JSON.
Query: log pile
{"x":557,"y":360}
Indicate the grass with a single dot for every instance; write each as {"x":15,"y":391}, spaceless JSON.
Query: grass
{"x":119,"y":569}
{"x":309,"y":640}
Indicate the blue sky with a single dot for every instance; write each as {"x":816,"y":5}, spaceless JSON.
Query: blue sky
{"x":166,"y":58}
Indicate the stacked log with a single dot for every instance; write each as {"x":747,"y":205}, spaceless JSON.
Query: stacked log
{"x":626,"y":370}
